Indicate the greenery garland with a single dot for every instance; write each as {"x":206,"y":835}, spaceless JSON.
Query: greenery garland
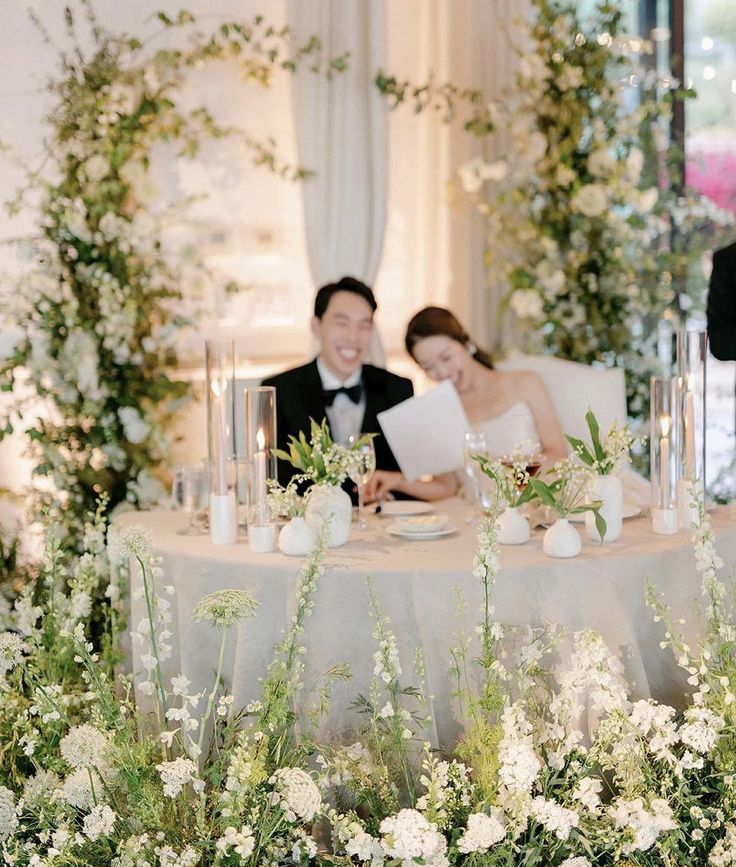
{"x":100,"y":308}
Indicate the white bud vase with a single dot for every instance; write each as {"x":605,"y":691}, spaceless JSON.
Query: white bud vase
{"x":513,"y":527}
{"x":562,"y":540}
{"x":609,"y":490}
{"x":330,"y":504}
{"x":297,"y":538}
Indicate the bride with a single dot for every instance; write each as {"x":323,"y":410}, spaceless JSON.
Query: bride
{"x":508,"y":406}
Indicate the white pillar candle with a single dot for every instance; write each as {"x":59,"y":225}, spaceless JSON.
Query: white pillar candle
{"x":689,"y":435}
{"x":223,"y":519}
{"x":262,"y":539}
{"x":260,"y":476}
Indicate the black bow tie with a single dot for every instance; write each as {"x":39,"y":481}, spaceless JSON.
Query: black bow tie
{"x":354,"y":392}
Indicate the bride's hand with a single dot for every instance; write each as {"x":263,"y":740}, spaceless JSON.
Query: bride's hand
{"x":381,"y":484}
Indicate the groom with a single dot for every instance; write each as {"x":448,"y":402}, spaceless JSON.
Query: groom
{"x":337,"y":384}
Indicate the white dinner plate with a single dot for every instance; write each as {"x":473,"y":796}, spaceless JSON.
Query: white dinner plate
{"x":397,"y":530}
{"x":630,"y":510}
{"x":392,"y":508}
{"x":422,"y":523}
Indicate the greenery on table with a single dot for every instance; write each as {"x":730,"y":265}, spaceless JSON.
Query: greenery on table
{"x":100,"y":307}
{"x":91,"y":777}
{"x":604,"y":454}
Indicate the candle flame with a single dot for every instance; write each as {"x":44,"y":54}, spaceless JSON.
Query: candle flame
{"x":260,"y":439}
{"x":666,"y":423}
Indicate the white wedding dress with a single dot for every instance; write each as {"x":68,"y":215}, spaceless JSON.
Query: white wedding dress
{"x":505,"y":431}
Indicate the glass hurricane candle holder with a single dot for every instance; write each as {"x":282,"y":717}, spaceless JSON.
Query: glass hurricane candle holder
{"x":692,"y":351}
{"x":260,"y":441}
{"x":220,"y":369}
{"x":663,"y":453}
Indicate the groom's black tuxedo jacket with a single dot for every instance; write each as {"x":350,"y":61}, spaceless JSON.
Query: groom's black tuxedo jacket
{"x":299,"y":398}
{"x":722,"y":304}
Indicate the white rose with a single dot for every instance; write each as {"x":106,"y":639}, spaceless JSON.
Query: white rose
{"x":590,"y":200}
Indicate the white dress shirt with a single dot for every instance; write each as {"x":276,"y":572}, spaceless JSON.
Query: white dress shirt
{"x":344,"y":416}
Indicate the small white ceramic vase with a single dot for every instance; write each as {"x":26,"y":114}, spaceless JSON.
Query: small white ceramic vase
{"x":562,"y":540}
{"x":609,"y":490}
{"x":513,"y":527}
{"x":330,"y":504}
{"x":297,"y":538}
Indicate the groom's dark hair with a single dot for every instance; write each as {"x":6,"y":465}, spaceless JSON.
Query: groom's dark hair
{"x":345,"y":284}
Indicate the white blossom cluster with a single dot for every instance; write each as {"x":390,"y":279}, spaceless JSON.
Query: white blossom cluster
{"x":178,"y":773}
{"x":643,"y":825}
{"x":8,"y":816}
{"x":84,"y":746}
{"x":99,"y":822}
{"x":242,"y":842}
{"x":555,"y":818}
{"x":483,"y":831}
{"x":408,"y":836}
{"x":12,"y":648}
{"x":297,"y":794}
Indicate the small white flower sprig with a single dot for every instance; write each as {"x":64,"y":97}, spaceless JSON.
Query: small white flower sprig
{"x":605,"y":454}
{"x":511,"y":473}
{"x":567,"y":493}
{"x":321,"y":460}
{"x":285,"y":502}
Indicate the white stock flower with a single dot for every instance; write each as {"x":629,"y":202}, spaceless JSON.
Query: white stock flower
{"x":84,"y":746}
{"x":591,"y":200}
{"x":519,"y":764}
{"x":482,"y":832}
{"x":297,"y":793}
{"x":554,"y":817}
{"x":701,"y":729}
{"x":408,"y":836}
{"x":645,"y":826}
{"x":242,"y":842}
{"x":8,"y":817}
{"x":587,"y":792}
{"x":99,"y":822}
{"x":225,"y":607}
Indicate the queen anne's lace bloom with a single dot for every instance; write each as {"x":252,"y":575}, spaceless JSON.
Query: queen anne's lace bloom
{"x":12,"y":648}
{"x":483,"y":831}
{"x":84,"y":746}
{"x":176,"y":774}
{"x":99,"y":822}
{"x":225,"y":608}
{"x":297,"y":793}
{"x":132,"y":541}
{"x":8,"y":817}
{"x":577,"y":861}
{"x":408,"y":836}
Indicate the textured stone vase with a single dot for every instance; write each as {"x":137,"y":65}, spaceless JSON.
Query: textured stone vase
{"x":609,"y":490}
{"x":297,"y":538}
{"x":513,"y":527}
{"x":330,"y":504}
{"x":562,"y":540}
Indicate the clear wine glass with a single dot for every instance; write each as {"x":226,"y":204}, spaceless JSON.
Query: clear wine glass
{"x":190,"y":494}
{"x":475,"y":444}
{"x":365,"y":466}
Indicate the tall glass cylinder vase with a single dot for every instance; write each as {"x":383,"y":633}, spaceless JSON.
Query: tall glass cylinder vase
{"x":260,"y":440}
{"x":692,"y":351}
{"x":220,"y":367}
{"x":663,"y":454}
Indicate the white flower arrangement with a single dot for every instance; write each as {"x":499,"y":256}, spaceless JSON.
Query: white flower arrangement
{"x":605,"y":454}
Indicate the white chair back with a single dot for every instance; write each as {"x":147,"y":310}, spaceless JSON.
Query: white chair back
{"x":575,"y":387}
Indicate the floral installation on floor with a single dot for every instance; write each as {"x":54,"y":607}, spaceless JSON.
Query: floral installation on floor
{"x":90,"y":778}
{"x":99,"y":305}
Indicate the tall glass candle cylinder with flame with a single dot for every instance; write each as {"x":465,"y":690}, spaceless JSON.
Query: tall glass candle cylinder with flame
{"x":663,"y":451}
{"x":260,"y":440}
{"x":692,"y":351}
{"x":220,"y":369}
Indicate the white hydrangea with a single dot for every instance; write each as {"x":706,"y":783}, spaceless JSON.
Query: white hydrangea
{"x":8,"y":817}
{"x":242,"y":842}
{"x":482,"y":832}
{"x":408,"y":836}
{"x":701,"y":729}
{"x":297,"y":793}
{"x":84,"y":746}
{"x":176,"y":774}
{"x":365,"y":848}
{"x":555,"y":818}
{"x":99,"y":822}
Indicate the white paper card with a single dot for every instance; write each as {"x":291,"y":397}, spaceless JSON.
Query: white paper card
{"x":427,"y":433}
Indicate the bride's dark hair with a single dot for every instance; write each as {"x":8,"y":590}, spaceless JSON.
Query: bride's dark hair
{"x":438,"y":321}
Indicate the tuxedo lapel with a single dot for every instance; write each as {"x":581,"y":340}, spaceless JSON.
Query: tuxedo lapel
{"x":311,"y":394}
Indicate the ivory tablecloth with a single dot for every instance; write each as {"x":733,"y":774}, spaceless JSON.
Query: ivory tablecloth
{"x":416,"y":583}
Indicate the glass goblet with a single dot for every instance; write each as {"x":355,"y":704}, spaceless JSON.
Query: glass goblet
{"x":364,"y":467}
{"x":190,"y":494}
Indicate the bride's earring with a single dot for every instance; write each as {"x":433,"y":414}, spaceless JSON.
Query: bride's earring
{"x":471,"y":347}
